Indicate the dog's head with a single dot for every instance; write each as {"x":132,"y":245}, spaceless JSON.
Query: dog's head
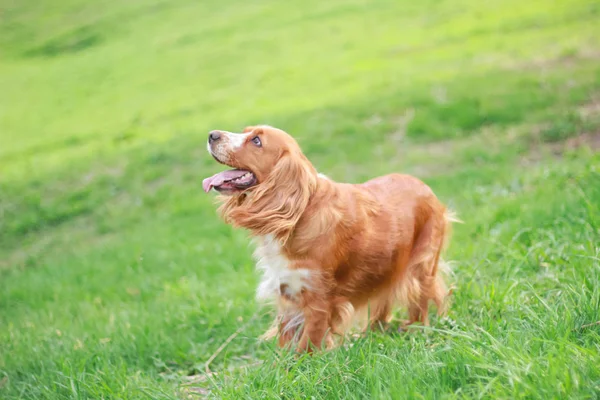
{"x":271,"y":181}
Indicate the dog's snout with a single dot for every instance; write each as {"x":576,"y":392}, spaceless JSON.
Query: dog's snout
{"x":214,"y":136}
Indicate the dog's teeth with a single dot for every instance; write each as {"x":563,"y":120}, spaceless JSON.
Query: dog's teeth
{"x":244,"y":177}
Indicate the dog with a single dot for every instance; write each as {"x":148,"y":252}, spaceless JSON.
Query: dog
{"x":328,"y":251}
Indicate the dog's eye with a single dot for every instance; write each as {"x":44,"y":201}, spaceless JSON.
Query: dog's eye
{"x":256,"y":141}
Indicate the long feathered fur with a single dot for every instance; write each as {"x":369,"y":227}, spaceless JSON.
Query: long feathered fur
{"x":276,"y":205}
{"x":345,"y":248}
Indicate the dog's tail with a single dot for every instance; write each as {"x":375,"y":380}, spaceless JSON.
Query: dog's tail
{"x":452,"y":216}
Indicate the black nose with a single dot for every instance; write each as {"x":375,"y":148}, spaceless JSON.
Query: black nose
{"x":214,"y":136}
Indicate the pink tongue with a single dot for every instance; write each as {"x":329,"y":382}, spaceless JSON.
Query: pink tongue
{"x":220,"y":178}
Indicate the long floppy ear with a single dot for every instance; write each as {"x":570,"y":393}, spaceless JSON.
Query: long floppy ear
{"x":275,"y":206}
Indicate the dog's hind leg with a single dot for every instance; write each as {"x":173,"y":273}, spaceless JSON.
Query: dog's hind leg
{"x":380,"y":310}
{"x":423,"y":281}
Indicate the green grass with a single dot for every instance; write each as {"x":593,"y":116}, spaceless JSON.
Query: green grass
{"x":119,"y":281}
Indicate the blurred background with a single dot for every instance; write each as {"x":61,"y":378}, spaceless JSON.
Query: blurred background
{"x":118,"y":280}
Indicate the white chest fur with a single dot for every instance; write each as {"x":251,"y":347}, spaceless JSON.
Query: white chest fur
{"x":276,"y":271}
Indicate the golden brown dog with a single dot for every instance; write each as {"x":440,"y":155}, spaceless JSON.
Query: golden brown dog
{"x":328,"y":250}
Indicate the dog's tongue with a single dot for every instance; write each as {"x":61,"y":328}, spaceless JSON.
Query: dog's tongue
{"x":220,"y":178}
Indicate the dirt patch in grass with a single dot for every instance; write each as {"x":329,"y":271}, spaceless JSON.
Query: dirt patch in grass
{"x":559,"y":148}
{"x":578,"y":129}
{"x":589,"y":139}
{"x":591,"y":109}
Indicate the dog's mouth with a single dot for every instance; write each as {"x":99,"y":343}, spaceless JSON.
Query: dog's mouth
{"x":230,"y":181}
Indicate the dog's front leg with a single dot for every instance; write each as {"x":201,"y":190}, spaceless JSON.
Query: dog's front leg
{"x":290,"y":329}
{"x":316,"y":334}
{"x":316,"y":308}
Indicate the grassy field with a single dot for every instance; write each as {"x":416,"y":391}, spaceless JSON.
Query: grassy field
{"x":119,"y":281}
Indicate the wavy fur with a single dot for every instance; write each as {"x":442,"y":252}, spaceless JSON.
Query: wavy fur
{"x":363,"y":249}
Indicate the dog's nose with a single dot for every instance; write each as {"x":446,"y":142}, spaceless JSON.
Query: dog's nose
{"x":214,"y":136}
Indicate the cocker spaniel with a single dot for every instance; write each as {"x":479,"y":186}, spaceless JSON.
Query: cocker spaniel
{"x":329,"y":251}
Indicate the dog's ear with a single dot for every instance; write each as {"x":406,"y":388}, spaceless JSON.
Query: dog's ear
{"x":276,"y":205}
